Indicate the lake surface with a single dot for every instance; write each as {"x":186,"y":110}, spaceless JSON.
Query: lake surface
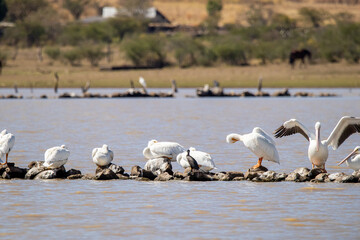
{"x":191,"y":210}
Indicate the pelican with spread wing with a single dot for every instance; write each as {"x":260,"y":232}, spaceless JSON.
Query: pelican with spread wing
{"x":318,"y":150}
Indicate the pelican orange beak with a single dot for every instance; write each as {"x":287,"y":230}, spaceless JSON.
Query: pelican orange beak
{"x":348,"y":156}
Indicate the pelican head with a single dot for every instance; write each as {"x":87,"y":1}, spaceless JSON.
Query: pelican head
{"x":317,"y":135}
{"x":105,"y":147}
{"x":192,"y":149}
{"x":151,"y":142}
{"x":232,"y":138}
{"x":356,"y":151}
{"x":63,"y":146}
{"x":3,"y":132}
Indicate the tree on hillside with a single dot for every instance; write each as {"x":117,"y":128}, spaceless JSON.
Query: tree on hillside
{"x":213,"y":8}
{"x":76,"y":7}
{"x":313,"y":16}
{"x":3,"y":9}
{"x":18,"y":10}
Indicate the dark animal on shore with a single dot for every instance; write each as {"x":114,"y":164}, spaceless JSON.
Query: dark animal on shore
{"x":299,"y":54}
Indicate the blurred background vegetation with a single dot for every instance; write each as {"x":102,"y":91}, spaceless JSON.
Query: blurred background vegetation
{"x":265,"y":37}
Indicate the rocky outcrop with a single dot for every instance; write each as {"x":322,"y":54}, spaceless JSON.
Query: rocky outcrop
{"x":112,"y":171}
{"x":38,"y":171}
{"x":137,"y":172}
{"x":9,"y":171}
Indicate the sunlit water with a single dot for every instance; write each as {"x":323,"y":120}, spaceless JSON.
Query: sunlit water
{"x":190,"y":210}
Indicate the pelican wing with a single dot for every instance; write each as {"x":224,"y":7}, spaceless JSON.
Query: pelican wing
{"x":7,"y":142}
{"x":111,"y":153}
{"x":344,"y":129}
{"x":94,"y":151}
{"x":166,"y":149}
{"x":291,"y":127}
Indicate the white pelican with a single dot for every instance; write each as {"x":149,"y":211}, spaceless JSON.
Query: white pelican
{"x":56,"y":157}
{"x":157,"y":149}
{"x":156,"y":164}
{"x":260,"y":143}
{"x":203,"y":159}
{"x":7,"y":141}
{"x":318,"y":150}
{"x":354,"y":162}
{"x":102,"y":156}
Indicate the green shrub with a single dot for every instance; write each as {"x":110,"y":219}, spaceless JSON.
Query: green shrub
{"x":146,"y":50}
{"x":231,"y":50}
{"x":73,"y":56}
{"x":93,"y":54}
{"x":3,"y":57}
{"x":53,"y":53}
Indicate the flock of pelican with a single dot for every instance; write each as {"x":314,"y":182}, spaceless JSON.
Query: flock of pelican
{"x":258,"y":141}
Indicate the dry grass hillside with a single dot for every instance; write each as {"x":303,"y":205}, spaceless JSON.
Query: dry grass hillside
{"x":193,"y":12}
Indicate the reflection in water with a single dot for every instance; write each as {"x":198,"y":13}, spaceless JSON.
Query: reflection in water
{"x":135,"y":209}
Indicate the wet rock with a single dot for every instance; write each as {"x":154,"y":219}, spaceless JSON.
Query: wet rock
{"x":75,"y":176}
{"x":238,"y":179}
{"x":251,"y":175}
{"x":268,"y":176}
{"x":321,"y":177}
{"x":142,"y":179}
{"x":271,"y":176}
{"x":88,"y":177}
{"x":247,"y":94}
{"x":123,"y":176}
{"x":260,"y":169}
{"x":296,"y":177}
{"x":106,"y":174}
{"x":227,"y":176}
{"x":349,"y":179}
{"x":337,"y":177}
{"x":198,"y":176}
{"x":262,"y":94}
{"x":303,"y":171}
{"x":314,"y":172}
{"x":116,"y":169}
{"x":5,"y":175}
{"x":178,"y":176}
{"x":280,"y":177}
{"x":43,"y":96}
{"x":12,"y":171}
{"x":282,"y":93}
{"x":356,"y":174}
{"x":47,"y":174}
{"x":73,"y":172}
{"x":34,"y":169}
{"x":137,"y":171}
{"x":164,"y":177}
{"x":303,"y":94}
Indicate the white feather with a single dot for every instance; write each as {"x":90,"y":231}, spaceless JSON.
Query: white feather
{"x":102,"y":156}
{"x":204,"y":160}
{"x":162,"y":149}
{"x":56,"y":157}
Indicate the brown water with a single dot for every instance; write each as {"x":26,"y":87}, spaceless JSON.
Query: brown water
{"x":190,"y":210}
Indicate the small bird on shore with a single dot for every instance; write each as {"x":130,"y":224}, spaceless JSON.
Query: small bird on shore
{"x":7,"y":141}
{"x":56,"y":157}
{"x":318,"y":150}
{"x":260,"y":143}
{"x":102,"y":156}
{"x":157,"y":149}
{"x":204,"y":160}
{"x":192,"y":162}
{"x":353,"y":159}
